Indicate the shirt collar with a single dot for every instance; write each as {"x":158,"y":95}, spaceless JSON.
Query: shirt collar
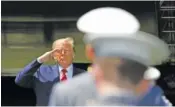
{"x":68,"y":68}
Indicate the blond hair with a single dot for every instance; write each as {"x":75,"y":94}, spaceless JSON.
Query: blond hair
{"x":69,"y":40}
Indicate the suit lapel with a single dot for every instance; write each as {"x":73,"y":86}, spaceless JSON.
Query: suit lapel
{"x":75,"y":71}
{"x":56,"y":73}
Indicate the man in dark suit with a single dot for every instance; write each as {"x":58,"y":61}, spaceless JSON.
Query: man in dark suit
{"x":42,"y":77}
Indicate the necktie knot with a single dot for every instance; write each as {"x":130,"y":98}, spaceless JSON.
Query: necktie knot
{"x":64,"y":71}
{"x":63,"y":76}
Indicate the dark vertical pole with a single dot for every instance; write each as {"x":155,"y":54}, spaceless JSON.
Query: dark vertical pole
{"x":48,"y":32}
{"x":4,"y":28}
{"x":158,"y":17}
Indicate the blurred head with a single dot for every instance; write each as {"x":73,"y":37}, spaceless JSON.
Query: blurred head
{"x":117,"y":72}
{"x":65,"y":53}
{"x":113,"y":73}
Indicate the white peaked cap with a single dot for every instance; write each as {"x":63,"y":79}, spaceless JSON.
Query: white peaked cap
{"x":142,"y":47}
{"x":114,"y":32}
{"x":152,"y":74}
{"x":108,"y":20}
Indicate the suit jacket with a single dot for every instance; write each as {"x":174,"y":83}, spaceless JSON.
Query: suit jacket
{"x":41,"y":78}
{"x":155,"y":97}
{"x":81,"y":91}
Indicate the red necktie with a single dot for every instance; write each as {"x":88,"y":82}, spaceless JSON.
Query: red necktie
{"x":63,"y":75}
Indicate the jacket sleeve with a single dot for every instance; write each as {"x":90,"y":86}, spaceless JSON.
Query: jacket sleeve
{"x":25,"y":78}
{"x":164,"y":102}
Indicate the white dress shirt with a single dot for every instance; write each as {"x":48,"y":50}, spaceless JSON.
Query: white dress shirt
{"x":69,"y":73}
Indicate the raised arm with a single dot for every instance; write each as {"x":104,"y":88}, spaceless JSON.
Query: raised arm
{"x":25,"y":77}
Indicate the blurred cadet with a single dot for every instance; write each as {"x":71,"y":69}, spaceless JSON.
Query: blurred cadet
{"x":42,"y":77}
{"x":155,"y":95}
{"x":120,"y":54}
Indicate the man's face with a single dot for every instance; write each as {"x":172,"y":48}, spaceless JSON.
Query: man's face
{"x":64,"y":53}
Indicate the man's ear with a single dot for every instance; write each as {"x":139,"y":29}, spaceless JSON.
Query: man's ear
{"x":54,"y":58}
{"x":90,"y":52}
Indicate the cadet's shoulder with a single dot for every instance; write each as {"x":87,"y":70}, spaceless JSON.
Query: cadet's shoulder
{"x":157,"y":88}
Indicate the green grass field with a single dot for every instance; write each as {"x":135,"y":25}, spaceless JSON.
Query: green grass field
{"x":23,"y":48}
